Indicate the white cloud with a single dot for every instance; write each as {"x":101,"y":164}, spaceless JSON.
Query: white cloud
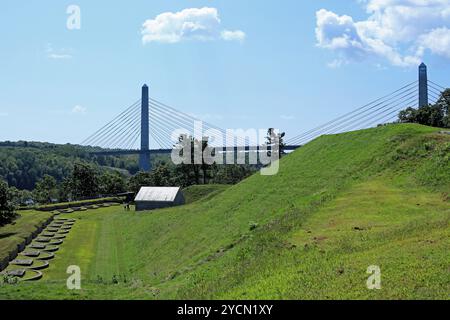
{"x":438,"y":41}
{"x":201,"y":24}
{"x":400,"y":31}
{"x":237,"y":35}
{"x":79,"y":110}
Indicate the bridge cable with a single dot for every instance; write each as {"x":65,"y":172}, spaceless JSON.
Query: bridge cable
{"x":383,"y":114}
{"x":358,"y":125}
{"x":100,"y":138}
{"x":112,"y":133}
{"x":188,"y":123}
{"x":109,"y":123}
{"x":157,"y":137}
{"x":438,"y":85}
{"x":127,"y":134}
{"x":132,"y":141}
{"x":335,"y":123}
{"x":377,"y":102}
{"x":206,"y":124}
{"x":339,"y":125}
{"x":349,"y":115}
{"x":111,"y":137}
{"x":179,"y":124}
{"x":165,"y":128}
{"x":401,"y":103}
{"x":159,"y":128}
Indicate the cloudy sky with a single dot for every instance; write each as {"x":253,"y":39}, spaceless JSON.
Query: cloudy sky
{"x":239,"y":64}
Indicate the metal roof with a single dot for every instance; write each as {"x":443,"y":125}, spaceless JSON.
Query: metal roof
{"x":163,"y":194}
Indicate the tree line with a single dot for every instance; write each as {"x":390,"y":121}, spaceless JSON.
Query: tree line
{"x":434,"y":115}
{"x":23,"y":164}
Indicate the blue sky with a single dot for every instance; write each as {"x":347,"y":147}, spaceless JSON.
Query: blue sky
{"x":271,"y":67}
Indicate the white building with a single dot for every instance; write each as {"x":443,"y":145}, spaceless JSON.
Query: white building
{"x":150,"y":198}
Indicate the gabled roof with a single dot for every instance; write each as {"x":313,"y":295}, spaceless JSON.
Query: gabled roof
{"x":162,"y":194}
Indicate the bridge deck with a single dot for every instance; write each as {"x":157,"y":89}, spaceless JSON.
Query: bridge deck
{"x":168,"y":151}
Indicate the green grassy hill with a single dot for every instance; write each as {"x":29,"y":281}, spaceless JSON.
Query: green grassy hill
{"x":338,"y":205}
{"x":203,"y":192}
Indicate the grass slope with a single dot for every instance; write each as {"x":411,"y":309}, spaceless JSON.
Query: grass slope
{"x":338,"y":205}
{"x":15,"y":233}
{"x":203,"y":192}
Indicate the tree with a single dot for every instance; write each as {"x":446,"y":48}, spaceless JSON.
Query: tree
{"x":20,"y":197}
{"x":276,"y":141}
{"x":112,"y":183}
{"x":231,"y":174}
{"x":205,"y":167}
{"x":45,"y":190}
{"x":7,"y":207}
{"x":161,"y":176}
{"x":84,"y":181}
{"x":65,"y":190}
{"x":188,"y":172}
{"x":444,"y":103}
{"x":140,"y":179}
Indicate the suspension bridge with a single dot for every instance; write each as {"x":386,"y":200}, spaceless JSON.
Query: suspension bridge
{"x":148,"y":119}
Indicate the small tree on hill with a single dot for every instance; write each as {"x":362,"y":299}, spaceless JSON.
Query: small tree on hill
{"x":276,"y":141}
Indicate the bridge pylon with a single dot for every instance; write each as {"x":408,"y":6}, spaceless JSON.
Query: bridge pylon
{"x":144,"y":156}
{"x":423,"y":85}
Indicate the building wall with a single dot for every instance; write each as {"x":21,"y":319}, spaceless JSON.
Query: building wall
{"x":179,"y":199}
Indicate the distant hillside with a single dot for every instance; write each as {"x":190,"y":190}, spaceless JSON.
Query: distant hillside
{"x":24,"y":163}
{"x":338,"y":205}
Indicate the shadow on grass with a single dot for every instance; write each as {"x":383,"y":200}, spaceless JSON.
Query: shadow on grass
{"x":7,"y":234}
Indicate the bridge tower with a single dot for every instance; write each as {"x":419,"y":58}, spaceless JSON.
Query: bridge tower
{"x":144,"y":156}
{"x":423,"y":85}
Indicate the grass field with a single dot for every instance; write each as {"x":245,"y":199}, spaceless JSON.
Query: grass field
{"x":338,"y":205}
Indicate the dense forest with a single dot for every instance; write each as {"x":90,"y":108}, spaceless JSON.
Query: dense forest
{"x":23,"y":164}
